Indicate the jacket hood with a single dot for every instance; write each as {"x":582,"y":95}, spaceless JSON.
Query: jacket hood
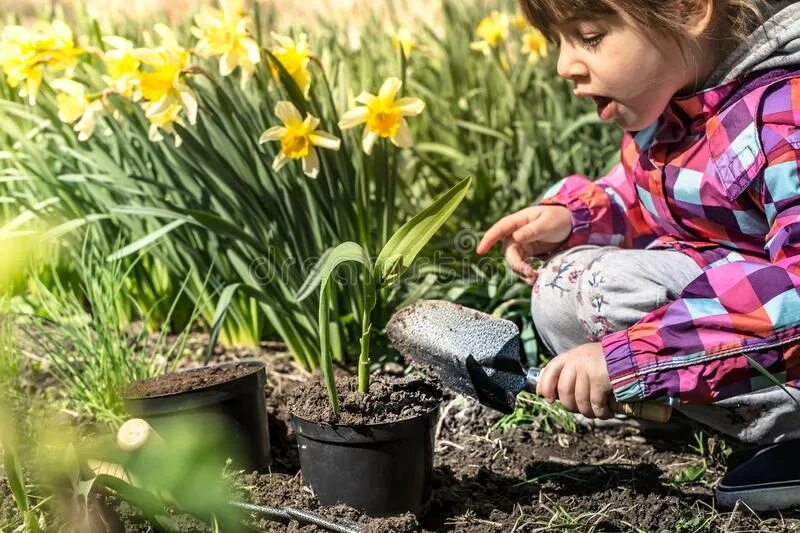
{"x":775,"y":44}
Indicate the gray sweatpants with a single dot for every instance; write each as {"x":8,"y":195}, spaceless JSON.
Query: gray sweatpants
{"x":586,"y":292}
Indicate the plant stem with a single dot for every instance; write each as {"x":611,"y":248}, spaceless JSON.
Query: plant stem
{"x":366,"y":326}
{"x":325,"y":355}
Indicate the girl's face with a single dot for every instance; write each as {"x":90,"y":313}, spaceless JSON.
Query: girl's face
{"x":630,"y":77}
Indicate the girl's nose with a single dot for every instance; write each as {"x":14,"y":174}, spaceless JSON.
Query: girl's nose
{"x":569,"y":66}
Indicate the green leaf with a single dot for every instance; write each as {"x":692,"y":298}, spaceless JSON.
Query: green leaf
{"x":766,"y":373}
{"x":403,"y":247}
{"x":483,"y":130}
{"x":152,"y":508}
{"x":313,"y":279}
{"x":440,"y":149}
{"x":578,"y":123}
{"x":16,"y":479}
{"x":219,"y":317}
{"x":70,"y":226}
{"x":147,"y":212}
{"x":345,"y":252}
{"x":221,"y":226}
{"x":145,"y":241}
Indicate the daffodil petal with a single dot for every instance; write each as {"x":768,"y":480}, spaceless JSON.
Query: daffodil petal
{"x":368,"y":141}
{"x":311,"y":122}
{"x":33,"y":83}
{"x":189,"y":105}
{"x":409,"y":106}
{"x":85,"y":126}
{"x":287,"y":112}
{"x":253,"y":51}
{"x":311,"y":164}
{"x":156,"y":108}
{"x":284,"y":41}
{"x":118,"y":42}
{"x":228,"y":62}
{"x":275,"y":133}
{"x":365,"y":98}
{"x":402,"y":138}
{"x":204,"y":19}
{"x":389,"y":88}
{"x":154,"y":58}
{"x":279,"y":162}
{"x":166,"y":34}
{"x":325,"y":140}
{"x":153,"y":134}
{"x":203,"y":49}
{"x":70,"y":87}
{"x":354,"y":117}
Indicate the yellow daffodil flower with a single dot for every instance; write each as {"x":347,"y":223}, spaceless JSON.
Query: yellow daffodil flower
{"x":74,"y":105}
{"x":164,"y":92}
{"x":384,"y":116}
{"x":493,"y":31}
{"x":520,"y":22}
{"x":294,"y":56}
{"x":224,"y":33}
{"x":534,"y":44}
{"x":122,"y":67}
{"x":299,"y":139}
{"x":26,"y":54}
{"x":164,"y":117}
{"x":403,"y":39}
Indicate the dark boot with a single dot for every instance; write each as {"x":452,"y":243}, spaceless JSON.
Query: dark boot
{"x":768,"y":481}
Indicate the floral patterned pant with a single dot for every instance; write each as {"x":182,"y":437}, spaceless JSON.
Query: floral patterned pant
{"x":586,"y":292}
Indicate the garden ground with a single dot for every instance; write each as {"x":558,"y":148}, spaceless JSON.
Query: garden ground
{"x":510,"y":474}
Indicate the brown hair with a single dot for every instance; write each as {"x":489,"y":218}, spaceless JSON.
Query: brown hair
{"x":733,"y":20}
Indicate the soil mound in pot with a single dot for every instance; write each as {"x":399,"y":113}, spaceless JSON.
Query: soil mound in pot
{"x":196,"y":379}
{"x":389,"y":399}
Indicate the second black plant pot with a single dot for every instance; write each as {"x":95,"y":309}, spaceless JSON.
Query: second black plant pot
{"x":231,"y":406}
{"x":381,"y":469}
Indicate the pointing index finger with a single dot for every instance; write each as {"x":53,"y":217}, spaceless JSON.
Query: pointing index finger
{"x":502,"y":228}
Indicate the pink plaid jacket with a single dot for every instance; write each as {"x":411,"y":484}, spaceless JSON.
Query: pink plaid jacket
{"x":715,"y":177}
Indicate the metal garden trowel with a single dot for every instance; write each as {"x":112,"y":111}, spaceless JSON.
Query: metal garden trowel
{"x":477,"y":355}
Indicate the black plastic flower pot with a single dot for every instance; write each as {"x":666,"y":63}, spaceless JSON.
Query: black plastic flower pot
{"x":380,"y":469}
{"x":232,"y":407}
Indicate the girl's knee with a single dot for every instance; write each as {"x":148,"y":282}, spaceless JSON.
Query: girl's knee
{"x":613,"y":293}
{"x":553,"y":306}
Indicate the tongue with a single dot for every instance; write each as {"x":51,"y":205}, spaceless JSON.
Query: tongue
{"x":605,"y":107}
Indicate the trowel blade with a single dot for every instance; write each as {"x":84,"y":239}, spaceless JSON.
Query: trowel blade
{"x":470,"y":352}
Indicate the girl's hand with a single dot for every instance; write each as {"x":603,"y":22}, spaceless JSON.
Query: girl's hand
{"x":578,"y":378}
{"x":527,"y":233}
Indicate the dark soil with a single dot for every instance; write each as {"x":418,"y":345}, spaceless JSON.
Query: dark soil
{"x":189,"y":380}
{"x":389,"y":399}
{"x":488,"y":479}
{"x":523,"y":479}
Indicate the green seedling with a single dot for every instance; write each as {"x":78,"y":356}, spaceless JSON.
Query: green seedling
{"x":392,"y":262}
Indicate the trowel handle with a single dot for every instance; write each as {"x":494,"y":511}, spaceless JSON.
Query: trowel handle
{"x":652,"y":411}
{"x":135,"y":433}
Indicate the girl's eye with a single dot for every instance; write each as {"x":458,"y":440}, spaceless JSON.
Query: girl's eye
{"x":592,"y":41}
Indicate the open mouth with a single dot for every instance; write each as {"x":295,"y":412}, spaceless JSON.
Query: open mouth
{"x":606,"y":107}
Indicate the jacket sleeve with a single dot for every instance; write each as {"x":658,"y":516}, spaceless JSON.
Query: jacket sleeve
{"x":708,"y":345}
{"x":604,"y":212}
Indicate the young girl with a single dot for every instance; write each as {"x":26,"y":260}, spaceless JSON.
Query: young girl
{"x":677,"y":276}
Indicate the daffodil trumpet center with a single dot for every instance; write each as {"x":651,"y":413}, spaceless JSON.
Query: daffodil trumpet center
{"x":296,"y":143}
{"x":383,"y":118}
